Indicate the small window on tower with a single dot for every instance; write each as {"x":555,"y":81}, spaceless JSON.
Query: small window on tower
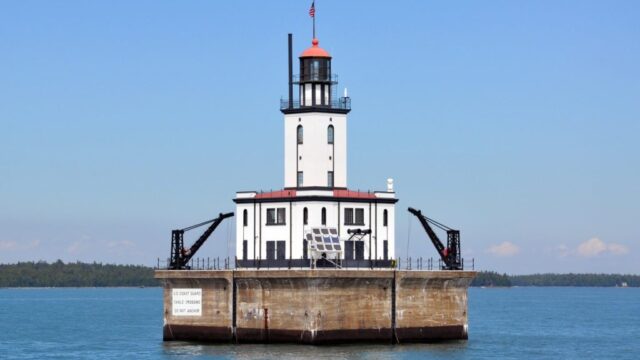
{"x":330,"y":134}
{"x":305,"y":216}
{"x":315,"y":70}
{"x":385,"y":218}
{"x":300,"y":134}
{"x":300,"y":178}
{"x":245,"y":218}
{"x":323,"y":220}
{"x":330,"y":178}
{"x":326,"y":94}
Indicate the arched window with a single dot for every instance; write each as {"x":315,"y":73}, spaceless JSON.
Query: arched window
{"x":305,"y":216}
{"x":385,"y":218}
{"x":324,"y":216}
{"x":330,"y":134}
{"x":300,"y":134}
{"x":245,"y":218}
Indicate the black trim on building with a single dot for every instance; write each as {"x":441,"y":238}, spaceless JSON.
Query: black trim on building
{"x":339,"y":218}
{"x":318,"y":108}
{"x":297,"y":154}
{"x":376,"y":229}
{"x":369,"y":230}
{"x":260,"y":237}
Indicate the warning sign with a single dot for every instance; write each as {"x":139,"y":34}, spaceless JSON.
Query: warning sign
{"x":186,"y":302}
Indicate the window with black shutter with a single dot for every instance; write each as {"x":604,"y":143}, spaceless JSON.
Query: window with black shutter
{"x":359,"y":217}
{"x":348,"y":216}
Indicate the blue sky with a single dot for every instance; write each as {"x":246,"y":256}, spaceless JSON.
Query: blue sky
{"x":516,"y":122}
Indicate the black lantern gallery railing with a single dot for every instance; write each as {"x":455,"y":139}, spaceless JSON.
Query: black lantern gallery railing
{"x":315,"y":77}
{"x":343,"y":103}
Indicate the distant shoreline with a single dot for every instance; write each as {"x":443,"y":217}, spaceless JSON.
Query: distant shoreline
{"x":79,"y":275}
{"x":41,"y":275}
{"x":493,"y":279}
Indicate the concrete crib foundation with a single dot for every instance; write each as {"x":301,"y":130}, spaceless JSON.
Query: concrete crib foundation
{"x":315,"y":306}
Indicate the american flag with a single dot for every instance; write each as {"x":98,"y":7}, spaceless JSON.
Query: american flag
{"x":312,"y":11}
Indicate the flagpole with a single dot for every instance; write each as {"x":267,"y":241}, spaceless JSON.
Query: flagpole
{"x":314,"y":19}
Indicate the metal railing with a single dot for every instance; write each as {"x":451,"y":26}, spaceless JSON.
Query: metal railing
{"x":342,"y":103}
{"x":319,"y":76}
{"x":419,"y":263}
{"x":411,"y":263}
{"x":216,"y":263}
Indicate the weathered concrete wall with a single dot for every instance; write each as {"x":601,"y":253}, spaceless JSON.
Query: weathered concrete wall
{"x":313,"y":306}
{"x":320,"y":306}
{"x":431,"y":305}
{"x":215,"y":322}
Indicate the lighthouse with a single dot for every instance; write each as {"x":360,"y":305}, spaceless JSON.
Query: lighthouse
{"x":287,"y":226}
{"x":315,"y":260}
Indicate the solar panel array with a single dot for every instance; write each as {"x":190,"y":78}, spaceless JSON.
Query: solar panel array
{"x":324,"y":239}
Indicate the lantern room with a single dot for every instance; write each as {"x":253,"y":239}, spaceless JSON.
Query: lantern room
{"x":317,"y":86}
{"x":315,"y":81}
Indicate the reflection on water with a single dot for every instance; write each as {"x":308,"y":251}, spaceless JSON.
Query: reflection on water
{"x":452,"y":349}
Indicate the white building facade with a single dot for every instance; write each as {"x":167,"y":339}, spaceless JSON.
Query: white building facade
{"x":271,"y":226}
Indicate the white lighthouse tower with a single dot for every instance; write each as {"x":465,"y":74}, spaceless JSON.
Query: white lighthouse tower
{"x":315,"y":127}
{"x":284,"y":227}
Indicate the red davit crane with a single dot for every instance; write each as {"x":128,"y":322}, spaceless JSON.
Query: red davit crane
{"x":450,"y":255}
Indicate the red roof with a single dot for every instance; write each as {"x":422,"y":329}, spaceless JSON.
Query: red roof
{"x":315,"y":51}
{"x":276,"y":194}
{"x":338,"y":193}
{"x":341,"y":193}
{"x":353,"y":194}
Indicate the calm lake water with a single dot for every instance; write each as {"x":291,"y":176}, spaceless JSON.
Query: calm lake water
{"x":517,"y":323}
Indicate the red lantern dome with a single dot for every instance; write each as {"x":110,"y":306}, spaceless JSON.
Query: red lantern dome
{"x":315,"y":51}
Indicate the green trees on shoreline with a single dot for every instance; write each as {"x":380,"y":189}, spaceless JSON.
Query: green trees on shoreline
{"x":491,"y":278}
{"x":59,"y":274}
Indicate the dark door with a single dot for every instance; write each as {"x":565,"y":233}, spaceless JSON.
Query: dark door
{"x":385,"y":250}
{"x":348,"y":249}
{"x":359,"y":250}
{"x":271,"y":250}
{"x":245,"y":245}
{"x":305,"y":255}
{"x":282,"y":250}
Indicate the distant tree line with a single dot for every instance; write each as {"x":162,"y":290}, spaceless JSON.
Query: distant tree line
{"x":575,"y":280}
{"x":491,"y":278}
{"x":59,"y":274}
{"x":78,"y":274}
